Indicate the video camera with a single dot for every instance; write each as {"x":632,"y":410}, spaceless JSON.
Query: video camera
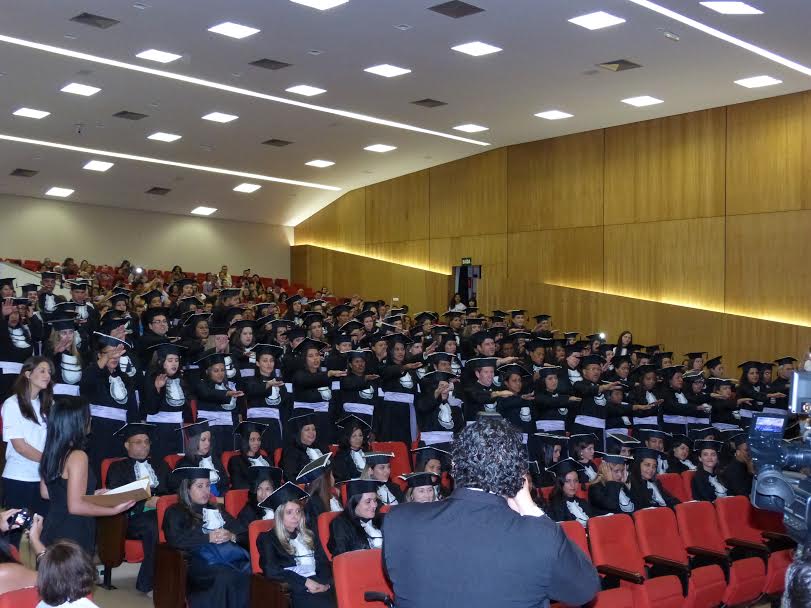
{"x":782,"y":483}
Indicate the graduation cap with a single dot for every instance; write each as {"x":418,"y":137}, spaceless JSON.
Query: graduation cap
{"x":550,"y":439}
{"x":61,"y":323}
{"x":195,"y":429}
{"x":534,"y":468}
{"x":517,"y":311}
{"x":150,"y":313}
{"x":314,"y":469}
{"x":240,"y":325}
{"x":641,"y":370}
{"x":403,"y":339}
{"x":350,"y":326}
{"x":136,"y":428}
{"x":477,"y":338}
{"x":110,"y":321}
{"x":351,"y":419}
{"x":262,"y":321}
{"x":695,"y":355}
{"x":373,"y":338}
{"x":293,"y":299}
{"x":63,"y":308}
{"x":107,"y":340}
{"x":621,"y":440}
{"x":542,"y":318}
{"x":365,"y":314}
{"x":245,"y":428}
{"x":122,"y":290}
{"x":719,"y":382}
{"x":641,"y":452}
{"x":194,"y":473}
{"x":437,"y":376}
{"x":259,"y":473}
{"x":738,"y":439}
{"x":194,"y":318}
{"x":303,"y":420}
{"x":570,"y":335}
{"x":149,"y":295}
{"x":78,"y":285}
{"x":513,"y":368}
{"x":614,"y":458}
{"x":436,"y":357}
{"x":367,"y":306}
{"x":499,"y":313}
{"x":49,"y":274}
{"x":183,"y":282}
{"x":232,"y":313}
{"x":355,"y":487}
{"x":586,"y":438}
{"x":713,"y":362}
{"x":312,"y":317}
{"x":707,"y":444}
{"x":340,"y":308}
{"x":785,"y":360}
{"x":429,"y":452}
{"x":620,"y":359}
{"x":573,"y":349}
{"x":747,"y":365}
{"x":667,"y":372}
{"x":419,"y":480}
{"x":289,"y":492}
{"x":452,"y":314}
{"x":703,"y":433}
{"x":764,"y":365}
{"x":28,"y":287}
{"x":680,"y":439}
{"x":229,"y":292}
{"x":552,"y":370}
{"x":480,"y":362}
{"x":308,"y":343}
{"x":592,"y":360}
{"x":653,"y":348}
{"x":516,"y":334}
{"x":267,"y":349}
{"x":118,"y":297}
{"x":164,"y":349}
{"x":648,"y":433}
{"x":218,"y":331}
{"x":294,"y":333}
{"x":729,"y":434}
{"x":210,"y":359}
{"x":356,"y":354}
{"x":694,"y":376}
{"x":593,"y":337}
{"x":565,"y":466}
{"x":536,"y":343}
{"x":621,"y":385}
{"x":317,"y":302}
{"x":375,"y":458}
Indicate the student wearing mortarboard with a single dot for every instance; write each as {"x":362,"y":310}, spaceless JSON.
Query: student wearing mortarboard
{"x":706,"y":484}
{"x":217,"y":400}
{"x":357,"y":394}
{"x":249,"y":438}
{"x":218,"y":573}
{"x":227,"y":299}
{"x":87,"y":317}
{"x":292,"y":553}
{"x":199,"y":449}
{"x":677,"y":411}
{"x":482,"y":394}
{"x":646,"y":490}
{"x":610,"y":491}
{"x":263,"y":481}
{"x":142,"y":520}
{"x":624,"y":343}
{"x":241,"y":342}
{"x":738,"y":474}
{"x":749,"y":387}
{"x":564,"y":504}
{"x":111,"y":393}
{"x":294,"y":309}
{"x":353,"y":443}
{"x":680,"y":458}
{"x":194,"y":334}
{"x":359,"y":526}
{"x":517,"y":408}
{"x":543,"y":326}
{"x":47,"y":299}
{"x":155,"y":322}
{"x":267,"y":399}
{"x":439,"y":409}
{"x":592,"y":412}
{"x":551,"y":449}
{"x":785,"y":369}
{"x":422,"y":487}
{"x":725,"y":404}
{"x":619,"y":412}
{"x":68,"y":359}
{"x":165,"y":397}
{"x":395,"y":414}
{"x":378,"y":468}
{"x":336,"y":358}
{"x":16,"y":344}
{"x":694,"y":391}
{"x":312,"y":388}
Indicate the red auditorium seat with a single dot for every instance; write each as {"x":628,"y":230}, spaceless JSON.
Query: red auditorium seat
{"x":687,"y":484}
{"x":698,"y":528}
{"x":616,"y":555}
{"x":658,"y":537}
{"x":673,"y":484}
{"x":357,"y":572}
{"x":734,"y":519}
{"x":171,"y":460}
{"x":324,"y":520}
{"x":277,"y":458}
{"x":234,"y":501}
{"x":401,"y":463}
{"x":32,"y":265}
{"x":265,"y":593}
{"x":20,"y":598}
{"x":226,"y":457}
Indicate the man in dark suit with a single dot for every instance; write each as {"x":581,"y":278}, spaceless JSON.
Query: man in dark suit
{"x":488,"y":544}
{"x":142,"y":519}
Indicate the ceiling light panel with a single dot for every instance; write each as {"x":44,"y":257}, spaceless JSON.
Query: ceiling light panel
{"x":219,"y":117}
{"x":471,"y":128}
{"x":642,"y":101}
{"x":166,"y":137}
{"x":755,"y":82}
{"x":31,"y":113}
{"x":381,"y":148}
{"x":321,"y":5}
{"x":597,"y":21}
{"x":306,"y":90}
{"x":80,"y":89}
{"x":732,"y":8}
{"x":247,"y":188}
{"x":321,"y":164}
{"x":203,"y":210}
{"x":389,"y":71}
{"x":234,"y":30}
{"x":476,"y":49}
{"x":159,"y":56}
{"x":554,"y":115}
{"x":60,"y":192}
{"x":98,"y":165}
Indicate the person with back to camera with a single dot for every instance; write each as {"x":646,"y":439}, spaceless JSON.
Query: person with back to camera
{"x":527,"y":559}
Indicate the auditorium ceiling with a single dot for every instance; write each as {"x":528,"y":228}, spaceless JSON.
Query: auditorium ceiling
{"x":298,"y":90}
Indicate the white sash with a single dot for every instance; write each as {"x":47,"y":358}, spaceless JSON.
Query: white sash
{"x":165,"y":418}
{"x":318,"y":406}
{"x":66,"y":389}
{"x":110,"y":413}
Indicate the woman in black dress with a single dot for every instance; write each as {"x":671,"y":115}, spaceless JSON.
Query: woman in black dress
{"x":312,"y":388}
{"x":705,"y":484}
{"x":564,"y":504}
{"x":264,"y":480}
{"x":292,"y":553}
{"x":353,"y":442}
{"x":359,"y":526}
{"x":199,"y":452}
{"x":358,"y":389}
{"x":679,"y":459}
{"x":67,"y":357}
{"x":67,"y":478}
{"x":218,"y":568}
{"x":267,"y":398}
{"x":646,"y":490}
{"x":610,"y":492}
{"x":581,"y":449}
{"x":303,"y":446}
{"x":217,"y":400}
{"x":398,"y":381}
{"x":250,"y":455}
{"x":378,"y":468}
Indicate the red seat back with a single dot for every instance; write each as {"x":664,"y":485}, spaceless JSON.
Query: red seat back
{"x":164,"y":502}
{"x":357,"y":572}
{"x":254,"y":530}
{"x":226,"y":457}
{"x":577,"y":534}
{"x":735,"y":519}
{"x":401,"y":463}
{"x":613,"y":543}
{"x":698,"y":526}
{"x":658,"y":534}
{"x":171,"y":460}
{"x":20,"y":598}
{"x":687,"y":483}
{"x":333,"y":449}
{"x":105,"y":466}
{"x":235,"y":500}
{"x":546,"y":492}
{"x":277,"y":458}
{"x":672,"y":483}
{"x":324,"y":520}
{"x":768,"y":521}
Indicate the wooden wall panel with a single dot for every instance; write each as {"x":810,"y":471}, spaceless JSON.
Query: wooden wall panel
{"x":469,"y":196}
{"x":768,"y":155}
{"x":744,"y":339}
{"x":678,"y":262}
{"x":397,"y":209}
{"x":409,"y":253}
{"x":663,"y":169}
{"x":556,"y":183}
{"x":341,"y":225}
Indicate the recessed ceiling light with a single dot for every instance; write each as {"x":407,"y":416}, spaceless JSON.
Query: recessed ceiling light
{"x":554,"y":115}
{"x":321,"y":5}
{"x":219,"y":117}
{"x":471,"y":128}
{"x":306,"y":90}
{"x":80,"y":89}
{"x":98,"y":165}
{"x":389,"y":71}
{"x":757,"y":81}
{"x":732,"y":8}
{"x":380,"y":148}
{"x":642,"y":100}
{"x":159,"y":56}
{"x":477,"y":49}
{"x":234,"y":30}
{"x":247,"y":188}
{"x":31,"y":113}
{"x":161,"y":136}
{"x":203,"y":210}
{"x":321,"y":164}
{"x":596,"y":21}
{"x":60,"y":192}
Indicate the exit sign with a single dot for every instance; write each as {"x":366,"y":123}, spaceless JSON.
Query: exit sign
{"x":466,"y":261}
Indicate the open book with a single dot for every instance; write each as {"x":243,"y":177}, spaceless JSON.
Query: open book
{"x":137,"y":490}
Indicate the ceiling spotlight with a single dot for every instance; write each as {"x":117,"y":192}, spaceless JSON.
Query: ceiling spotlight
{"x":247,"y":188}
{"x":554,"y":115}
{"x":597,"y":21}
{"x":321,"y":164}
{"x":476,"y":49}
{"x":60,"y":192}
{"x":98,"y":165}
{"x":159,"y":56}
{"x":233,"y":30}
{"x":203,"y":210}
{"x":732,"y":8}
{"x":380,"y":148}
{"x":757,"y":81}
{"x":471,"y":128}
{"x":31,"y":113}
{"x":219,"y":117}
{"x":167,"y":137}
{"x":80,"y":89}
{"x":389,"y":71}
{"x":306,"y":90}
{"x":641,"y":101}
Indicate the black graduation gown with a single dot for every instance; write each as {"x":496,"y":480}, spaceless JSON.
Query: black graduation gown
{"x":702,"y":488}
{"x":343,"y":467}
{"x":346,"y":536}
{"x":356,"y":396}
{"x":428,"y":409}
{"x":642,"y":497}
{"x":583,"y":476}
{"x":649,"y":418}
{"x":295,"y":458}
{"x":605,"y":498}
{"x":149,"y":338}
{"x":87,"y":321}
{"x":142,"y":524}
{"x":677,"y":416}
{"x":477,"y":398}
{"x":674,"y":465}
{"x":191,"y":461}
{"x":591,"y":412}
{"x":392,"y":418}
{"x":553,"y":410}
{"x":267,"y":407}
{"x":737,"y":479}
{"x":395,"y":491}
{"x":558,"y":511}
{"x":249,"y":514}
{"x":759,"y":400}
{"x":211,"y":405}
{"x":510,"y":409}
{"x":312,"y":394}
{"x":275,"y":562}
{"x":169,"y":418}
{"x":238,"y":468}
{"x":208,"y":586}
{"x":12,"y":351}
{"x":722,"y":411}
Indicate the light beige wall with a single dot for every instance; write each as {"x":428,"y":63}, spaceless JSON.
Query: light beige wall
{"x":36,"y":228}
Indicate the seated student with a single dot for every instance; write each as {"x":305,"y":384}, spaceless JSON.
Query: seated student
{"x":250,"y":443}
{"x":302,"y":446}
{"x":359,"y":526}
{"x":13,"y":575}
{"x":317,"y":479}
{"x":200,"y":453}
{"x":657,"y":441}
{"x":679,"y":459}
{"x":292,"y":553}
{"x":431,"y":459}
{"x":581,"y":449}
{"x":353,"y":442}
{"x":705,"y":483}
{"x":738,"y":474}
{"x":378,"y":468}
{"x":564,"y":504}
{"x":263,"y":482}
{"x":552,"y":449}
{"x":65,"y":577}
{"x":609,"y":493}
{"x":218,"y":568}
{"x":646,"y":490}
{"x":142,"y":519}
{"x":619,"y":443}
{"x":422,"y":487}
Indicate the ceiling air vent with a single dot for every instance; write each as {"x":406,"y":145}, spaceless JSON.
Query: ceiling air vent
{"x":127,"y":115}
{"x":158,"y":191}
{"x":620,"y":65}
{"x":279,"y":143}
{"x":429,"y":103}
{"x":23,"y":173}
{"x":456,"y":9}
{"x":270,"y":64}
{"x":95,"y":20}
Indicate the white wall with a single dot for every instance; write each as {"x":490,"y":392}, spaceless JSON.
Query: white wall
{"x":32,"y":228}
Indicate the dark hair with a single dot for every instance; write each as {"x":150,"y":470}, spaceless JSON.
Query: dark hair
{"x":349,"y":510}
{"x":65,"y":574}
{"x":22,"y":390}
{"x":346,"y":435}
{"x":185,"y":503}
{"x":578,"y":446}
{"x":557,"y":490}
{"x":254,"y":488}
{"x":635,"y":472}
{"x":67,"y":431}
{"x":244,"y":443}
{"x":6,"y":556}
{"x":192,"y":447}
{"x":619,"y":347}
{"x":798,"y":581}
{"x":489,"y":455}
{"x":322,"y":488}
